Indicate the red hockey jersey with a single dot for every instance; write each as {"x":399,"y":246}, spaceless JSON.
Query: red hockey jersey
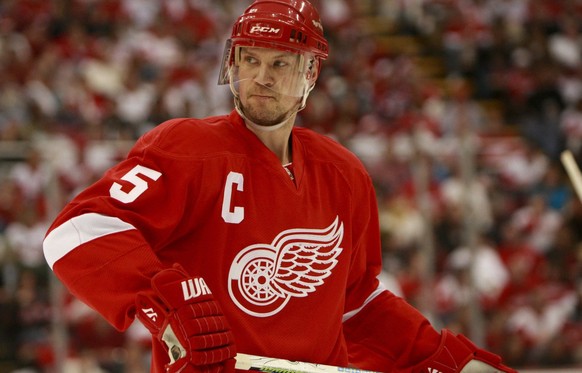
{"x":288,"y":260}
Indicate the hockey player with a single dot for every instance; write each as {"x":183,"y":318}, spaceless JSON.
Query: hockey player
{"x":243,"y":233}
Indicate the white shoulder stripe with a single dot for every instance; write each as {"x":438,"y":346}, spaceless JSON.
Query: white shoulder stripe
{"x":375,"y":293}
{"x":77,"y":231}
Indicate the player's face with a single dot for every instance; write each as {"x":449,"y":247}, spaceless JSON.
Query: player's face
{"x":270,"y":83}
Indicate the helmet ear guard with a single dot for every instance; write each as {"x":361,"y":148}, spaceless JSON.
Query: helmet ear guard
{"x":313,"y":70}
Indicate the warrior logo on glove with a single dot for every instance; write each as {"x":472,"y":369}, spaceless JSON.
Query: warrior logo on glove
{"x":194,"y":288}
{"x":263,"y":278}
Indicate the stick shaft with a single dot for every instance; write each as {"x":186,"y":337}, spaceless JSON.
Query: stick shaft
{"x":274,"y":365}
{"x":573,"y":171}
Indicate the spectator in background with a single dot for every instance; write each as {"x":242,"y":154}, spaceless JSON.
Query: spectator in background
{"x":514,"y":82}
{"x":9,"y":203}
{"x":461,"y":113}
{"x":401,"y":223}
{"x":540,"y":122}
{"x":481,"y":269}
{"x":522,"y":168}
{"x":565,"y":45}
{"x":526,"y":266}
{"x":24,"y":238}
{"x":31,"y":179}
{"x":554,"y":188}
{"x":537,"y":223}
{"x":473,"y":195}
{"x":540,"y":319}
{"x":34,"y":316}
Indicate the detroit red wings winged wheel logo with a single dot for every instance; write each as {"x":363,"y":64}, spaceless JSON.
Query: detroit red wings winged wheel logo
{"x":264,"y":277}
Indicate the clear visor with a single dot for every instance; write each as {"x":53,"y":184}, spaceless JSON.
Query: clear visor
{"x":270,"y":70}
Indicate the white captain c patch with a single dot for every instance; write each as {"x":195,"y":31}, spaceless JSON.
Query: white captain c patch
{"x":77,"y":231}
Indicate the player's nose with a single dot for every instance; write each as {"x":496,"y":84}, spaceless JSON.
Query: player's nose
{"x":264,"y":76}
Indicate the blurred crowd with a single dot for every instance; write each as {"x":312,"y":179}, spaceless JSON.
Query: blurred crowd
{"x":481,"y":228}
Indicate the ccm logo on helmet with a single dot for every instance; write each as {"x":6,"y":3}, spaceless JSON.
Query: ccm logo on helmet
{"x":317,"y":24}
{"x":259,"y":29}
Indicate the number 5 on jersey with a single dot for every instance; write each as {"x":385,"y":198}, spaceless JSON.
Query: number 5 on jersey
{"x":139,"y":185}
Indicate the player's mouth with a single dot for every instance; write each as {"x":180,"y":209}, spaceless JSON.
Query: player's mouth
{"x":262,"y":97}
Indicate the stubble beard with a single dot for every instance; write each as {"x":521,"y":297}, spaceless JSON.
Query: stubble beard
{"x":263,"y":116}
{"x":268,"y":115}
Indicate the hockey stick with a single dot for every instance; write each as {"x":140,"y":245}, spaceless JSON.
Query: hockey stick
{"x":573,"y":171}
{"x":275,"y":365}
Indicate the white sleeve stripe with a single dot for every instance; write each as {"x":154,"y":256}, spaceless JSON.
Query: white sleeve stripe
{"x":77,"y":231}
{"x":375,"y":293}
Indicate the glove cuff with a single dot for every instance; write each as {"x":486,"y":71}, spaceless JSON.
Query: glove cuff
{"x":454,"y":352}
{"x":151,"y":313}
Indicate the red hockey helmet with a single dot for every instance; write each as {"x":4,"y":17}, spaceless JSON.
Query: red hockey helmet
{"x":286,"y":25}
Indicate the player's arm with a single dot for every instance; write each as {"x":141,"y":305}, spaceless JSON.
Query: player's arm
{"x":97,"y":245}
{"x":101,"y":245}
{"x":383,"y":332}
{"x":389,"y":335}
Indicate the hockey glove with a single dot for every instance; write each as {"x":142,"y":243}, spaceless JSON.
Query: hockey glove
{"x":182,"y":314}
{"x":457,"y":354}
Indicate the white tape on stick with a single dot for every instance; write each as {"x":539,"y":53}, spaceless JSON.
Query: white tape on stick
{"x":275,"y":365}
